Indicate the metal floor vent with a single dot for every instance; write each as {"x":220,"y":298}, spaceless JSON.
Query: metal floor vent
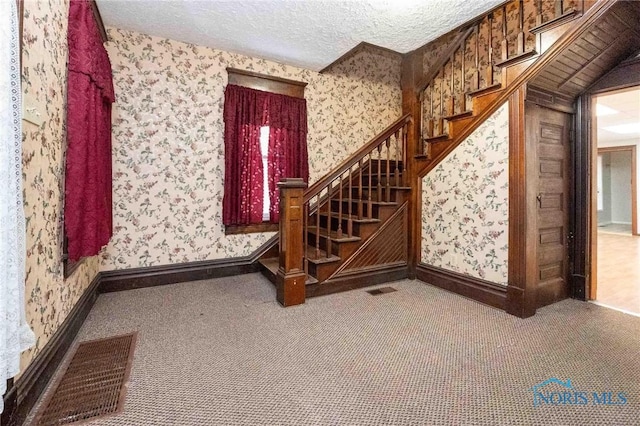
{"x":381,"y":290}
{"x":94,"y":383}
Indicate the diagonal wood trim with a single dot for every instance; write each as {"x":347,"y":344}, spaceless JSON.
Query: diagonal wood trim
{"x":483,"y":291}
{"x":387,"y":246}
{"x":442,"y":60}
{"x":362,"y":46}
{"x":30,"y":385}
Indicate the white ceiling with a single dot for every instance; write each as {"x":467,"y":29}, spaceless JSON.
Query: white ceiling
{"x":626,"y":105}
{"x":305,"y":33}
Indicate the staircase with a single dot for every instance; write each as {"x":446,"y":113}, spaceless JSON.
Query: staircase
{"x":470,"y":80}
{"x":356,"y":220}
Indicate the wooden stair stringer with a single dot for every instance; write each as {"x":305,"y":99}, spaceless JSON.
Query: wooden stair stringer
{"x":487,"y":104}
{"x":387,"y":247}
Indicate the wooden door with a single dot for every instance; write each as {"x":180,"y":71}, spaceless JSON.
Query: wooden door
{"x":549,"y":130}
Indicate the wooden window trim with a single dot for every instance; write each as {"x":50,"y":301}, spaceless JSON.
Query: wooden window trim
{"x":251,"y":229}
{"x":265,"y":83}
{"x":69,"y":267}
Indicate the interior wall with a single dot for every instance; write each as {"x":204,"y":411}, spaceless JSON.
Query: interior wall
{"x":168,"y":144}
{"x":604,"y":215}
{"x":49,"y":296}
{"x":629,"y":142}
{"x":465,"y":205}
{"x":621,"y":187}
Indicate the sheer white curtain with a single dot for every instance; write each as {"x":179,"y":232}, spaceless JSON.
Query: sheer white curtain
{"x":15,"y":335}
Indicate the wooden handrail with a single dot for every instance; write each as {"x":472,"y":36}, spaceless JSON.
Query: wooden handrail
{"x":354,"y":158}
{"x":443,"y":58}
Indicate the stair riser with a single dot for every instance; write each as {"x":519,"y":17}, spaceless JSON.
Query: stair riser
{"x":359,"y":229}
{"x":340,"y":249}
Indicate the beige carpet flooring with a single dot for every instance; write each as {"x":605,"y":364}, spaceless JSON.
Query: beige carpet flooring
{"x":223,"y":352}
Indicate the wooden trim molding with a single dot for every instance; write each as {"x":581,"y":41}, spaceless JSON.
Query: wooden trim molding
{"x":362,"y":46}
{"x":251,"y":229}
{"x":521,"y":291}
{"x":29,"y":386}
{"x":266,"y":83}
{"x":480,"y":290}
{"x":151,"y":276}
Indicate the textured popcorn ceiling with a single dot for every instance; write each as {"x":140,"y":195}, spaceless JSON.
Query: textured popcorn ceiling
{"x":309,"y":34}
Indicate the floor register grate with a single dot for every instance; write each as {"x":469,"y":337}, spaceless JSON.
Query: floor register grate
{"x":94,"y":382}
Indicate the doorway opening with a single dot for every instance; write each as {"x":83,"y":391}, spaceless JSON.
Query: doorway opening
{"x":616,"y":134}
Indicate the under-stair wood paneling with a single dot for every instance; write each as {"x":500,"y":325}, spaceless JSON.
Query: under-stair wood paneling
{"x":387,"y":247}
{"x":606,"y":43}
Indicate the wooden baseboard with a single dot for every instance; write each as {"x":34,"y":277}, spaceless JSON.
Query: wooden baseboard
{"x":482,"y":291}
{"x":151,"y":276}
{"x":129,"y":279}
{"x":26,"y":390}
{"x":358,"y":280}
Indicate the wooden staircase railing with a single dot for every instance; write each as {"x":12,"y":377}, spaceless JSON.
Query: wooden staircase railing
{"x":352,"y":192}
{"x":470,"y":69}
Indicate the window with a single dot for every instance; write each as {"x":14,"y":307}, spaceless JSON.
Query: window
{"x":265,"y":141}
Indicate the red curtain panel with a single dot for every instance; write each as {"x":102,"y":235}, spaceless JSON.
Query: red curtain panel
{"x":245,"y":112}
{"x":87,"y":209}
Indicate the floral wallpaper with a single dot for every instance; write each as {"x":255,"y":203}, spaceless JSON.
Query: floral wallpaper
{"x":168,"y":163}
{"x":465,"y":205}
{"x":50,"y":297}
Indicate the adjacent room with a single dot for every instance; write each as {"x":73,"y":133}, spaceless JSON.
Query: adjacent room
{"x":618,"y":240}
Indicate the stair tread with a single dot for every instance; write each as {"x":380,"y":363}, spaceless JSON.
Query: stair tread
{"x":459,"y":116}
{"x":353,"y":217}
{"x":484,"y":90}
{"x":320,"y":257}
{"x":517,"y":58}
{"x":437,"y":138}
{"x":334,"y":235}
{"x":273,"y":263}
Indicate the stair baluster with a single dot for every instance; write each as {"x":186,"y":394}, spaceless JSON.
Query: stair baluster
{"x":476,"y":71}
{"x":396,"y":172}
{"x":360,"y":213}
{"x":504,"y":43}
{"x":539,"y":15}
{"x":388,"y":175}
{"x":350,"y":220}
{"x":369,"y":191}
{"x":339,"y":208}
{"x":489,"y":69}
{"x":379,"y":167}
{"x":521,"y":37}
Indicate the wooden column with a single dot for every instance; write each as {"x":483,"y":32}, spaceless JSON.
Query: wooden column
{"x":291,"y":278}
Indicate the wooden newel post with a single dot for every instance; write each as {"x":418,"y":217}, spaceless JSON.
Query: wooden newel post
{"x":291,"y":278}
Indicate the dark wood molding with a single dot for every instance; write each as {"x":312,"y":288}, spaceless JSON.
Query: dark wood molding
{"x":358,"y":280}
{"x":549,"y":99}
{"x":580,"y":275}
{"x":251,"y":229}
{"x":521,"y":291}
{"x":623,"y":76}
{"x":98,"y":19}
{"x":362,"y":46}
{"x":151,"y":276}
{"x":30,"y":385}
{"x":266,"y":83}
{"x":474,"y":288}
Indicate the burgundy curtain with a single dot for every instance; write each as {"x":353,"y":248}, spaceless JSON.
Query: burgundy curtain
{"x":87,"y":209}
{"x":245,"y":112}
{"x":287,"y":122}
{"x":243,"y":116}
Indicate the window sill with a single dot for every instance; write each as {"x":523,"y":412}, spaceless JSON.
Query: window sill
{"x":251,"y":229}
